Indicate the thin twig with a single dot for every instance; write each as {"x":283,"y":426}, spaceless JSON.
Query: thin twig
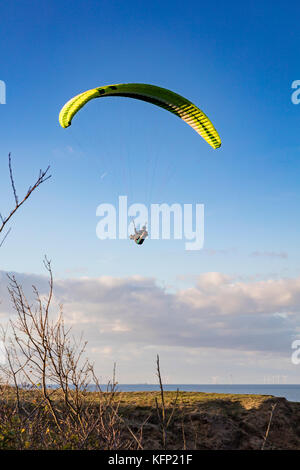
{"x":43,"y":176}
{"x":163,"y":408}
{"x":269,"y":426}
{"x":12,"y":179}
{"x":4,"y":238}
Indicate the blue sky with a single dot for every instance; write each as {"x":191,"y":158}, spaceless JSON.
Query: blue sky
{"x":236,"y":61}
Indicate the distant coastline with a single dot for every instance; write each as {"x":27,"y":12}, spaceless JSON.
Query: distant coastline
{"x":289,"y":391}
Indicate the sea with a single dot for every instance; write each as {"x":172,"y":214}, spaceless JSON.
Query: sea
{"x":290,"y":392}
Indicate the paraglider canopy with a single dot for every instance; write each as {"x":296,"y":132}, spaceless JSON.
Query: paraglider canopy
{"x":158,"y":96}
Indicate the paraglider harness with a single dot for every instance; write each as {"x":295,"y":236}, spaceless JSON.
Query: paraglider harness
{"x":139,"y":236}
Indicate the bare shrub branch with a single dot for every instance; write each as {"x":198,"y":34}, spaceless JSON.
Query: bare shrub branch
{"x":44,"y":358}
{"x":42,"y":177}
{"x":269,"y":426}
{"x":162,"y":411}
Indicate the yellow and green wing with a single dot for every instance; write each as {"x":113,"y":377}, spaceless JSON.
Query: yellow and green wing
{"x":158,"y":96}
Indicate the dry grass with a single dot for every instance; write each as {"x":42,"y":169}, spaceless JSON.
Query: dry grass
{"x":131,"y":421}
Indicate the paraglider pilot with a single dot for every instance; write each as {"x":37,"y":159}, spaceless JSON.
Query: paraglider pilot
{"x":139,"y":235}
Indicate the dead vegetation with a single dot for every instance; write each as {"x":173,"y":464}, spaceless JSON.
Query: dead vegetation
{"x":4,"y":220}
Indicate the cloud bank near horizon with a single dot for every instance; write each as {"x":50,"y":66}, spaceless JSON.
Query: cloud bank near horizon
{"x":129,"y":316}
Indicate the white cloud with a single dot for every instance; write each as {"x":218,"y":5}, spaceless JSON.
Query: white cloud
{"x":127,"y":319}
{"x":219,"y":294}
